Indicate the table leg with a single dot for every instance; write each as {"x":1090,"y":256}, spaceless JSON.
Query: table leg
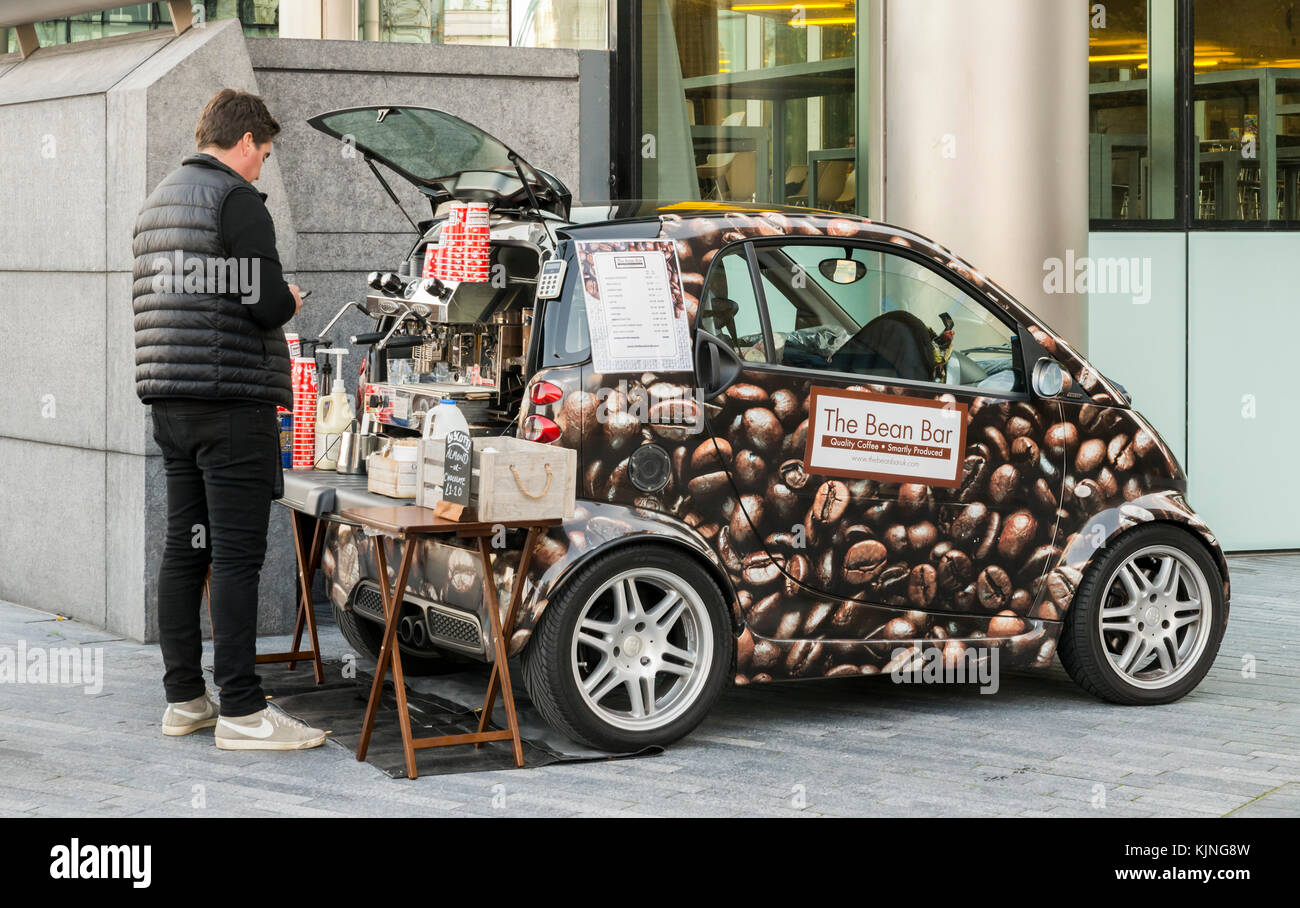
{"x":399,"y":679}
{"x":499,"y":646}
{"x":389,"y":653}
{"x":304,"y":577}
{"x":307,"y":573}
{"x":516,"y":598}
{"x":207,"y":598}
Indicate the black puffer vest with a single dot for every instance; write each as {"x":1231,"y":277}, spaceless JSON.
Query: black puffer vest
{"x":197,"y":344}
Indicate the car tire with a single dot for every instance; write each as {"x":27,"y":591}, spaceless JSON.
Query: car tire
{"x":1125,"y":603}
{"x":366,"y":636}
{"x":632,"y":650}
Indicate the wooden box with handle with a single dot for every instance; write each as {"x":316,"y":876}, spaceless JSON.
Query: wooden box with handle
{"x":511,"y":479}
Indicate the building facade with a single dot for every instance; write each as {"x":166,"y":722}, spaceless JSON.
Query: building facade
{"x":1130,"y":169}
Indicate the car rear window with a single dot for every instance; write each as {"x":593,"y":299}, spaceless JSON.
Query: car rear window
{"x":565,"y":338}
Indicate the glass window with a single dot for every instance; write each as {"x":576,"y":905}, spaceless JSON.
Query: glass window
{"x":582,"y":24}
{"x":874,"y":313}
{"x":729,"y":307}
{"x":1246,"y":110}
{"x":749,"y":102}
{"x":566,"y":337}
{"x":1132,"y":58}
{"x":259,"y":17}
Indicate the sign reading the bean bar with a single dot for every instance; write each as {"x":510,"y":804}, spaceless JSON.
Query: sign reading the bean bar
{"x":636,"y":309}
{"x":858,"y":434}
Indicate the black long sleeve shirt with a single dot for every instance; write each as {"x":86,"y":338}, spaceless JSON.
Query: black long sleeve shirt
{"x":248,"y":233}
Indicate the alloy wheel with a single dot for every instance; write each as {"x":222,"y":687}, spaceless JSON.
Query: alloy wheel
{"x":642,"y":649}
{"x":1154,"y":620}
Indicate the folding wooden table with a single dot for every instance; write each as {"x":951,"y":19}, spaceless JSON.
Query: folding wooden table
{"x":413,"y":523}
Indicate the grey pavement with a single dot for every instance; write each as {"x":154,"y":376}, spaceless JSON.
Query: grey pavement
{"x":1039,"y":747}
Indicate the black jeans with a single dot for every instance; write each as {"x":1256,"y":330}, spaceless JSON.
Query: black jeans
{"x":222,"y":460}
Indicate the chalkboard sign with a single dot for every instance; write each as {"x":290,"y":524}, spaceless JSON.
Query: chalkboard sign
{"x":457,"y":465}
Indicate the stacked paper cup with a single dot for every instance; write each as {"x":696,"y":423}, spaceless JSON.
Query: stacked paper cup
{"x":304,"y":413}
{"x":462,"y":253}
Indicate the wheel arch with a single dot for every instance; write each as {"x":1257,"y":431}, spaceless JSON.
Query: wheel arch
{"x":1104,"y":530}
{"x":573,"y":566}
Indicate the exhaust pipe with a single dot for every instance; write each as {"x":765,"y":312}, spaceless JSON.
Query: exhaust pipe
{"x":419,"y":637}
{"x":404,"y":629}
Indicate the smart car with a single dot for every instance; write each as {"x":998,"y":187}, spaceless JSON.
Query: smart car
{"x":809,"y":446}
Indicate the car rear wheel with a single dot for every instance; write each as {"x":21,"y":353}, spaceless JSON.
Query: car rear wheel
{"x":1147,"y":620}
{"x":632,"y":652}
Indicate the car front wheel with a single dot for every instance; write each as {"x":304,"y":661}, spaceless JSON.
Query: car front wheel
{"x":632,"y":652}
{"x":1147,"y":619}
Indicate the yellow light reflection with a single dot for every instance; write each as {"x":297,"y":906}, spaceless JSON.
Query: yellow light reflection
{"x":808,"y":23}
{"x":1115,"y":58}
{"x":782,"y":7}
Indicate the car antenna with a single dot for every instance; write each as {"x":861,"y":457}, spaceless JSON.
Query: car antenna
{"x":392,"y":195}
{"x":532,"y":196}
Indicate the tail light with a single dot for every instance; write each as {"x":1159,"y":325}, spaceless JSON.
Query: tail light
{"x":541,"y":429}
{"x":544,"y":392}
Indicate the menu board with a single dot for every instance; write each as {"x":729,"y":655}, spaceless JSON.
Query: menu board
{"x":457,"y":467}
{"x":635,"y":306}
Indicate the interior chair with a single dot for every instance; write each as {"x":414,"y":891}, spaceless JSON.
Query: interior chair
{"x":847,"y":200}
{"x":715,"y":166}
{"x":830,"y":181}
{"x":740,"y":182}
{"x":796,"y":183}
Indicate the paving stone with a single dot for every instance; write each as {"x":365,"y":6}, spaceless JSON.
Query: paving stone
{"x":1039,"y":747}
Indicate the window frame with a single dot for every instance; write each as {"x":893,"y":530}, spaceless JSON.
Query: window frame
{"x":1014,"y":328}
{"x":1186,"y":177}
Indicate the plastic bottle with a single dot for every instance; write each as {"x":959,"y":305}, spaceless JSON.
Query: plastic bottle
{"x":442,"y":421}
{"x":445,"y":418}
{"x":333,"y":417}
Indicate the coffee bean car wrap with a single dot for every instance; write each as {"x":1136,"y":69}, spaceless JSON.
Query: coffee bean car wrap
{"x":832,"y":575}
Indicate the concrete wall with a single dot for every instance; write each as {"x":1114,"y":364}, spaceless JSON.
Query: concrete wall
{"x":86,"y":130}
{"x":545,"y":104}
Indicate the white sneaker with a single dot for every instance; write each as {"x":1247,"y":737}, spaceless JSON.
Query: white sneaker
{"x":190,"y":716}
{"x":266,"y":730}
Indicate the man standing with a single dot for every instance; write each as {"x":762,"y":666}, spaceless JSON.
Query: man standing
{"x":211,"y":359}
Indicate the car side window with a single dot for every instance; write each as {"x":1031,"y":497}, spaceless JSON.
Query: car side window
{"x":879,"y":314}
{"x":729,"y":307}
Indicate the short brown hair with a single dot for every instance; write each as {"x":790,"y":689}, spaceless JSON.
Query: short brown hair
{"x":229,"y":115}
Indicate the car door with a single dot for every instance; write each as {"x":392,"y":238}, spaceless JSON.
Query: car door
{"x":879,"y":439}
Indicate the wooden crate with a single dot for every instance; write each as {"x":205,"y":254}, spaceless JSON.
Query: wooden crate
{"x":510,"y":479}
{"x":394,"y":478}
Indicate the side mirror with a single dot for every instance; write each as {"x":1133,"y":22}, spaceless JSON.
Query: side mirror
{"x":1049,"y":378}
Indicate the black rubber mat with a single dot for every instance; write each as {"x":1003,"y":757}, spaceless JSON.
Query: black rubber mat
{"x":440,"y":705}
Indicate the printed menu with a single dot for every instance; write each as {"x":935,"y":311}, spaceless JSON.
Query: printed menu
{"x":635,"y":306}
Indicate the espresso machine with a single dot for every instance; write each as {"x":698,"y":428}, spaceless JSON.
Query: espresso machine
{"x":434,"y":339}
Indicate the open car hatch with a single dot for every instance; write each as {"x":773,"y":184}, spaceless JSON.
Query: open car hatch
{"x":444,"y":157}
